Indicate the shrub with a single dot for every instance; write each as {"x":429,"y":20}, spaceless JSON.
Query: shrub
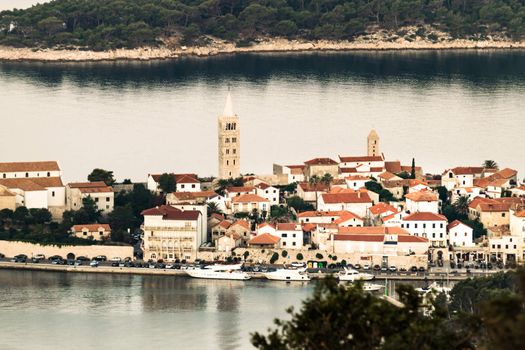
{"x":300,"y":256}
{"x":274,"y":258}
{"x":246,"y":254}
{"x":284,"y":253}
{"x":334,"y":258}
{"x":319,"y":256}
{"x":343,"y":262}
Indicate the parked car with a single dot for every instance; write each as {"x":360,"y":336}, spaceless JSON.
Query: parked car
{"x":377,"y":268}
{"x":35,"y":260}
{"x":55,"y":257}
{"x":94,"y":263}
{"x":357,"y":266}
{"x":452,"y":265}
{"x":366,"y":267}
{"x":392,"y":268}
{"x":116,"y":259}
{"x":114,"y":264}
{"x":39,"y":256}
{"x":20,"y":258}
{"x":78,"y":262}
{"x":82,"y":258}
{"x":298,"y":264}
{"x":421,"y":269}
{"x":100,"y":258}
{"x":402,"y":269}
{"x":56,"y":262}
{"x":413,"y":269}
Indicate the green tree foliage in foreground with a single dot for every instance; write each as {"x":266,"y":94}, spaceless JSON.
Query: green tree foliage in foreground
{"x":346,"y":317}
{"x":107,"y":24}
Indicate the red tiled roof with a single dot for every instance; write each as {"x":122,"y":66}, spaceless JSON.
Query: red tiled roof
{"x":357,"y":197}
{"x":425,"y":216}
{"x":311,"y":213}
{"x":263,"y":186}
{"x":169,"y":213}
{"x":455,"y":223}
{"x":248,"y":198}
{"x":381,"y":208}
{"x":347,"y":215}
{"x":225,"y":224}
{"x":393,"y":167}
{"x":391,"y":216}
{"x":373,"y":230}
{"x":91,"y":187}
{"x":520,"y":214}
{"x":309,"y":227}
{"x":422,"y":196}
{"x":242,"y":223}
{"x":308,"y":187}
{"x":264,"y":239}
{"x":321,"y":161}
{"x":348,"y":170}
{"x":239,"y":189}
{"x":387,"y":175}
{"x":28,"y":166}
{"x":464,"y":170}
{"x":91,"y":227}
{"x":346,"y":159}
{"x":287,"y":226}
{"x":179,"y":178}
{"x":357,"y":178}
{"x":415,"y":239}
{"x":359,"y":237}
{"x":264,"y":224}
{"x":32,"y":184}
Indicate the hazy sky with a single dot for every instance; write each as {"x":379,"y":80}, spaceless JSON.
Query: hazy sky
{"x":10,"y":4}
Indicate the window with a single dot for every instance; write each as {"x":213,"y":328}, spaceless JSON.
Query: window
{"x":84,"y":233}
{"x":234,"y":162}
{"x":502,"y":215}
{"x":234,"y":139}
{"x":506,"y":246}
{"x":48,"y":174}
{"x":107,"y":206}
{"x":465,"y":234}
{"x":284,"y":235}
{"x":415,"y":225}
{"x":433,"y":225}
{"x":52,"y":193}
{"x":234,"y":151}
{"x":424,"y":225}
{"x":455,"y":234}
{"x":433,"y":235}
{"x":27,"y":174}
{"x":284,"y":244}
{"x":293,"y":243}
{"x":228,"y":163}
{"x":96,"y":200}
{"x":227,"y":140}
{"x":193,"y":186}
{"x":441,"y":226}
{"x":294,"y":235}
{"x":100,"y":233}
{"x":227,"y":151}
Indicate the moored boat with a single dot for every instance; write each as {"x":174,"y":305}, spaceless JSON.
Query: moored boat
{"x":297,"y":275}
{"x":353,"y":275}
{"x":220,"y":272}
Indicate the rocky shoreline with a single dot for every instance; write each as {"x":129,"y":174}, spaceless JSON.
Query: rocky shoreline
{"x":262,"y":46}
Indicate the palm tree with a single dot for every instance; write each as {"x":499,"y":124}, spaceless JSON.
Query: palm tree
{"x":490,"y":164}
{"x":327,"y":179}
{"x":213,"y":208}
{"x":461,"y":205}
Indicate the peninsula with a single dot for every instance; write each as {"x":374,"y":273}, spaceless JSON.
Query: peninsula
{"x":76,"y":30}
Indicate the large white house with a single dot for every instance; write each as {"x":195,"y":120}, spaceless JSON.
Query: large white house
{"x":269,"y":192}
{"x":422,"y":201}
{"x":357,"y":202}
{"x":460,"y":235}
{"x":429,"y":225}
{"x":184,"y":182}
{"x":291,"y":235}
{"x":35,"y":184}
{"x":248,"y":202}
{"x":171,"y":234}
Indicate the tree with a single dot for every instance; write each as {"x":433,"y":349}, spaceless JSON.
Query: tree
{"x":413,"y":169}
{"x":167,"y":183}
{"x":40,"y":216}
{"x":443,"y":194}
{"x":279,"y":213}
{"x":213,"y":208}
{"x":299,"y":204}
{"x":461,"y":206}
{"x":121,"y":218}
{"x":373,"y":186}
{"x":21,"y":215}
{"x":345,"y":317}
{"x":90,"y":208}
{"x":490,"y":164}
{"x":314,"y":181}
{"x":102,"y":175}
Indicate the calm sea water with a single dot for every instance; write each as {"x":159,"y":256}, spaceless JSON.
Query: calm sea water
{"x":443,"y":108}
{"x":49,"y":310}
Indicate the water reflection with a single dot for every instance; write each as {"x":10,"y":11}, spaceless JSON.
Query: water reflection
{"x":475,"y":68}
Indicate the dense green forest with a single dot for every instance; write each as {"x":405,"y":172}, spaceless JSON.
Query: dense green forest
{"x":105,"y":24}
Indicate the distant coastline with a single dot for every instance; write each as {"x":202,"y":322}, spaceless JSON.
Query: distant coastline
{"x":263,"y":46}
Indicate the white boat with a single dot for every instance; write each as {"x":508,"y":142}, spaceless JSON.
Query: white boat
{"x":220,"y":272}
{"x":354,"y":275}
{"x":288,"y":275}
{"x":371,"y":287}
{"x":434,"y":287}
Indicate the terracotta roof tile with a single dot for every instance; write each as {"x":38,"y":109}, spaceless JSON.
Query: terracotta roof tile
{"x":422,"y":196}
{"x":373,"y":230}
{"x":243,"y":223}
{"x":321,"y":161}
{"x":91,"y":187}
{"x":248,"y":198}
{"x":381,"y":208}
{"x":238,"y":189}
{"x":455,"y":223}
{"x":29,"y":166}
{"x":425,"y":216}
{"x":288,"y":226}
{"x":169,"y":213}
{"x":357,"y":197}
{"x":346,"y":159}
{"x":264,"y":239}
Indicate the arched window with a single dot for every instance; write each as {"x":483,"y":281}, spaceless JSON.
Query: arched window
{"x":227,"y":162}
{"x":27,"y":174}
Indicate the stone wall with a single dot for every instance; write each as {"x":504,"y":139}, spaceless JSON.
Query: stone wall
{"x":10,"y":249}
{"x":257,"y":255}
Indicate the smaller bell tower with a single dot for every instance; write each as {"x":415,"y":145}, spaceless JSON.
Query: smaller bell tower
{"x":229,"y":142}
{"x":373,"y":144}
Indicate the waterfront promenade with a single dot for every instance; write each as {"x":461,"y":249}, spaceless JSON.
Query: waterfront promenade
{"x":437,"y":275}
